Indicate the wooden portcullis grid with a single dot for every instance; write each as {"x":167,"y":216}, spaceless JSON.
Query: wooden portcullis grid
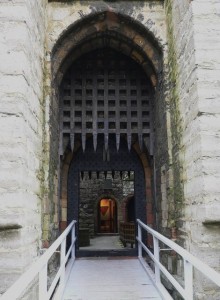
{"x":105,"y":92}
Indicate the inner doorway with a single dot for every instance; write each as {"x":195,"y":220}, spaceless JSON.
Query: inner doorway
{"x":107,"y":216}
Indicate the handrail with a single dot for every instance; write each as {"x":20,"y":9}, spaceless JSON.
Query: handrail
{"x":190,"y":261}
{"x":40,"y":267}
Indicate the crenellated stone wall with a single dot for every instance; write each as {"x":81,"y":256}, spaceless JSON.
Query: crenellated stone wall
{"x":22,"y":40}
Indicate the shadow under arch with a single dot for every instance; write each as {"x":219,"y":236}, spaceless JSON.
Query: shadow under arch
{"x":107,"y":28}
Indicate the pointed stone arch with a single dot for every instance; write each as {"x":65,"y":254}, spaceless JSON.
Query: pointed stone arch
{"x":118,"y":32}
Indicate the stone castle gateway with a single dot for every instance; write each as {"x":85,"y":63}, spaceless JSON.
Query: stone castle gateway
{"x":95,"y":88}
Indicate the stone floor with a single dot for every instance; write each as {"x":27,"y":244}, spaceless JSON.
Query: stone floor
{"x":104,"y":242}
{"x":109,"y":279}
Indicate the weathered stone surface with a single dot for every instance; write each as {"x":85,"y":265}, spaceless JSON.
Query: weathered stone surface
{"x":196,"y":30}
{"x":21,"y":119}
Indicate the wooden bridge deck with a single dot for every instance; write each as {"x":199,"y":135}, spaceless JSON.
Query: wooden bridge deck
{"x":109,"y":279}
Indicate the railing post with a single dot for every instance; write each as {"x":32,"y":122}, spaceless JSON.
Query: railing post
{"x":43,"y":283}
{"x":188,"y":278}
{"x":62,"y":258}
{"x":157,"y":257}
{"x":73,"y":236}
{"x":140,"y":255}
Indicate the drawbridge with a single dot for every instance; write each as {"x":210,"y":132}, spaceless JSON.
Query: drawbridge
{"x":110,"y":278}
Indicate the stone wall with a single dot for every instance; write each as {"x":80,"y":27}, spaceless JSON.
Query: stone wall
{"x":21,"y":121}
{"x":93,"y":190}
{"x":179,"y":34}
{"x":205,"y":204}
{"x":193,"y":40}
{"x":203,"y":210}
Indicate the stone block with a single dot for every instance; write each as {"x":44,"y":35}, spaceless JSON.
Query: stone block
{"x":14,"y":35}
{"x":15,"y":63}
{"x":16,"y":12}
{"x":15,"y":239}
{"x":14,"y":84}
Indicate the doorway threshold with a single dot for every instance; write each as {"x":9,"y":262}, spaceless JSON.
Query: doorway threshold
{"x":106,"y":245}
{"x":106,"y":253}
{"x":107,"y":234}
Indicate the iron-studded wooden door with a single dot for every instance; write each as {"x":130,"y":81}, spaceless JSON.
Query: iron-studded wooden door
{"x":105,"y":93}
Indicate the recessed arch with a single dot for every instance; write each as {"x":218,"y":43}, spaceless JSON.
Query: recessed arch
{"x":118,"y":31}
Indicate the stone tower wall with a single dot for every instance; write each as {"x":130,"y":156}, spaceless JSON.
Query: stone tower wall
{"x":22,"y":39}
{"x":194,"y":44}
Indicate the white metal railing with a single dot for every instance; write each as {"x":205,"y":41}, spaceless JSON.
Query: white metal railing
{"x":40,"y":268}
{"x":189,"y":260}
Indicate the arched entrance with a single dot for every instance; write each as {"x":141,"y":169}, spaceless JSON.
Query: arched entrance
{"x":107,"y":216}
{"x":107,"y":106}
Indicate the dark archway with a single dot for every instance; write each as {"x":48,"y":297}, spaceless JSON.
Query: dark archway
{"x":106,"y":108}
{"x":114,"y":30}
{"x":129,"y":38}
{"x":90,"y":160}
